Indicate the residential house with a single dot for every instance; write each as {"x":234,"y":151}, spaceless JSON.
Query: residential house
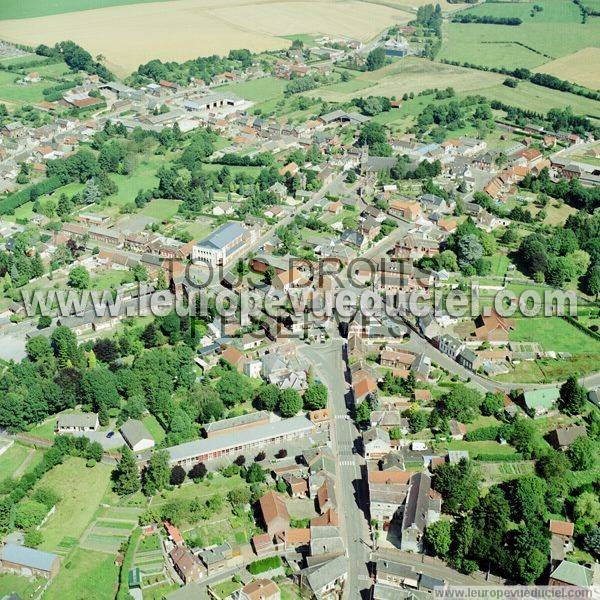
{"x":561,"y":540}
{"x":259,"y":589}
{"x":405,"y":209}
{"x":137,"y":436}
{"x":388,"y":490}
{"x":397,"y":575}
{"x":562,"y":437}
{"x":77,"y":422}
{"x":539,"y":402}
{"x":274,"y":513}
{"x":325,"y":540}
{"x":188,"y":567}
{"x":450,"y":345}
{"x":376,"y":443}
{"x":423,"y":507}
{"x":325,"y":579}
{"x":571,"y":574}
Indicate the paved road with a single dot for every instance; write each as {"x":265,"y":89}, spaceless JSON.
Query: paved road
{"x":351,"y":495}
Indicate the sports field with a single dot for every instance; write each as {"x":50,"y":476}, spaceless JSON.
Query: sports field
{"x":203,"y":27}
{"x":580,"y":67}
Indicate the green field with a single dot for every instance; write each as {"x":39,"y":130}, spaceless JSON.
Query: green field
{"x":85,"y":575}
{"x":527,"y":96}
{"x":157,"y":432}
{"x":19,"y":94}
{"x":257,"y":90}
{"x":23,"y":9}
{"x":161,"y":209}
{"x":554,"y":334}
{"x":81,"y":490}
{"x":23,"y":586}
{"x":554,"y":32}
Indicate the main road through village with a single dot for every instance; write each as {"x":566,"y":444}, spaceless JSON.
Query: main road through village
{"x":330,"y":368}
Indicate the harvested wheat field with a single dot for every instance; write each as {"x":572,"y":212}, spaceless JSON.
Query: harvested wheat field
{"x":580,"y":67}
{"x":181,"y":29}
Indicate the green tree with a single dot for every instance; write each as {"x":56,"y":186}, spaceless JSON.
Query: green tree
{"x":126,"y":476}
{"x":492,"y":403}
{"x":315,"y":397}
{"x":267,"y":397}
{"x":157,"y":474}
{"x":583,"y":454}
{"x":290,"y":403}
{"x":233,"y":388}
{"x":438,"y":538}
{"x":79,"y":278}
{"x":375,"y":59}
{"x":458,"y":485}
{"x":573,"y":397}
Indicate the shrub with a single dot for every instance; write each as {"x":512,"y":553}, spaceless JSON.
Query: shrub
{"x":264,"y":564}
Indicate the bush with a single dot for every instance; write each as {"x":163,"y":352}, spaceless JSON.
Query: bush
{"x":264,"y":564}
{"x":33,"y":538}
{"x":483,"y":434}
{"x":30,"y":514}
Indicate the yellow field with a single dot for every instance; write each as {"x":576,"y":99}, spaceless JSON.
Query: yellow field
{"x":407,"y":75}
{"x":580,"y":67}
{"x":181,"y":29}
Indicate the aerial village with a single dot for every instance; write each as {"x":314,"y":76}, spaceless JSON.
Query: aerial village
{"x":296,"y":456}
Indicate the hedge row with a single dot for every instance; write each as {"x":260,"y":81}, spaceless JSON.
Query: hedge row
{"x":264,"y":564}
{"x":582,"y":327}
{"x":482,"y":434}
{"x":9,"y":203}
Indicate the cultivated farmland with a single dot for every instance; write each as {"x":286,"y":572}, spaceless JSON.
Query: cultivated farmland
{"x":580,"y":67}
{"x":550,"y":34}
{"x":203,"y":28}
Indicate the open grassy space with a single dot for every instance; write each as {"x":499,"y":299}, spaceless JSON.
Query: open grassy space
{"x":257,"y":90}
{"x":85,"y":575}
{"x":404,"y":76}
{"x":550,"y":34}
{"x":157,"y":432}
{"x":161,"y":208}
{"x":23,"y":586}
{"x":554,"y":334}
{"x":19,"y":94}
{"x":527,"y":95}
{"x":81,"y":490}
{"x":12,"y":459}
{"x":23,"y":9}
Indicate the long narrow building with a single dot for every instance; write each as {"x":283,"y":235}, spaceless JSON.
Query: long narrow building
{"x":252,"y":438}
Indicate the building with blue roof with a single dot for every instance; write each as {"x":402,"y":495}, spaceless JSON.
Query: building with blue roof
{"x":29,"y":561}
{"x":218,"y":248}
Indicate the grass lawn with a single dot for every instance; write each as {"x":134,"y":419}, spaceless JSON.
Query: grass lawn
{"x":110,"y":278}
{"x":226,"y":588}
{"x":81,"y":489}
{"x":12,"y":459}
{"x":554,"y":333}
{"x":19,"y":94}
{"x":526,"y":95}
{"x":157,"y":432}
{"x":161,"y":208}
{"x":85,"y":575}
{"x":142,"y":178}
{"x":257,"y":90}
{"x":481,"y":447}
{"x":23,"y":586}
{"x":500,"y":264}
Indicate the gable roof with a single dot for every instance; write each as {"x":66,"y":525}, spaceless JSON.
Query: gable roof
{"x":28,"y":557}
{"x":272,"y":506}
{"x":561,"y":527}
{"x":134,"y":431}
{"x":572,"y":573}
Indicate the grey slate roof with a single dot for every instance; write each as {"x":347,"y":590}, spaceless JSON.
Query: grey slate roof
{"x":134,"y":431}
{"x":254,"y":434}
{"x":77,"y":420}
{"x":28,"y":557}
{"x":226,"y":234}
{"x":320,"y":576}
